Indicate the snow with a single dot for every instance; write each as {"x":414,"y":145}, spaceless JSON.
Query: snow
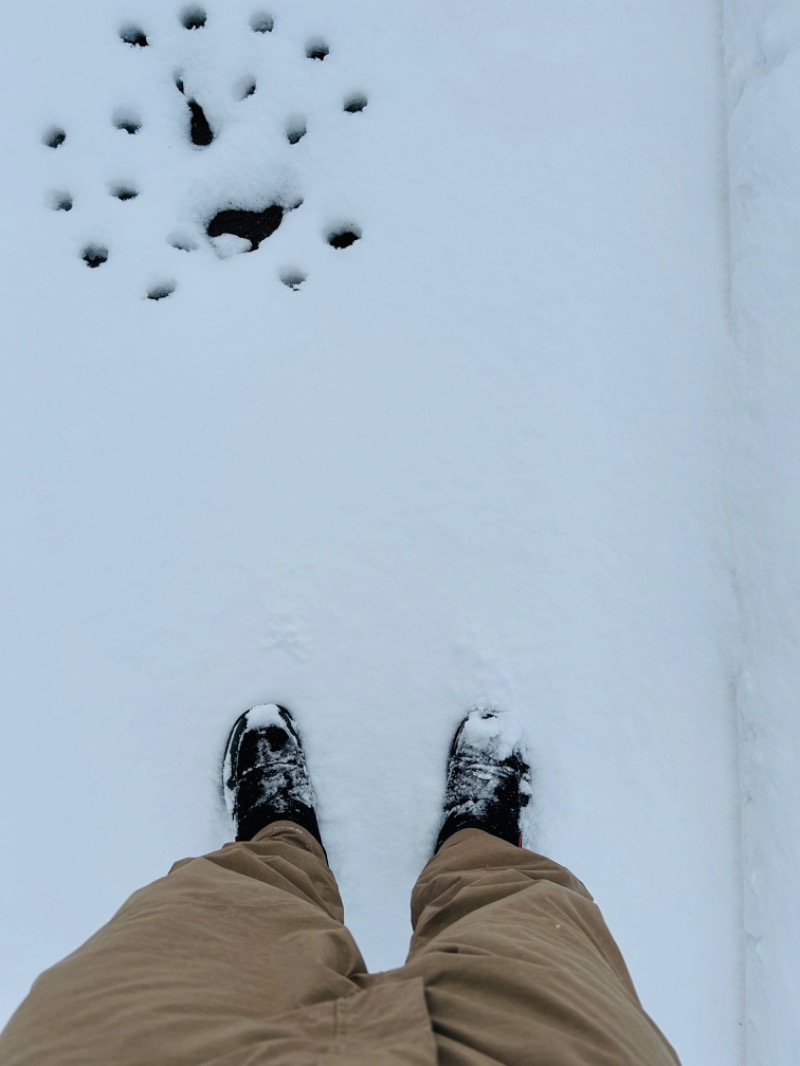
{"x":495,"y":731}
{"x":264,"y":715}
{"x":762,"y":74}
{"x":228,"y":245}
{"x":529,"y":442}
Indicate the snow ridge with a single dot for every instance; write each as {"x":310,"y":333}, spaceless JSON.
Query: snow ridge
{"x":762,"y":57}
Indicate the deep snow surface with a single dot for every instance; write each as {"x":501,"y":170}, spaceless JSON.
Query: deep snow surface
{"x":487,"y":454}
{"x":762,"y":53}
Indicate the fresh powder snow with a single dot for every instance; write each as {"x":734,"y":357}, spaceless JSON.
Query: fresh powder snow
{"x":387,"y":361}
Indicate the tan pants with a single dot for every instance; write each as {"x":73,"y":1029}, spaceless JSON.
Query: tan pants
{"x":240,"y":958}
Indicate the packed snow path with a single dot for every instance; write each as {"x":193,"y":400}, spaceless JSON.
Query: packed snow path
{"x":455,"y":431}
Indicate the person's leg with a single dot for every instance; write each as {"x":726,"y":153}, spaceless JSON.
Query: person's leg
{"x":519,"y":966}
{"x":517,"y":962}
{"x":208,"y":964}
{"x":201,"y":967}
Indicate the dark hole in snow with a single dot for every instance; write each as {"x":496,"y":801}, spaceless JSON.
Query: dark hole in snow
{"x":134,"y":36}
{"x":200,"y":131}
{"x":355,"y":104}
{"x":127,"y":123}
{"x":296,"y":132}
{"x":62,"y":201}
{"x":95,"y":255}
{"x":124,"y":192}
{"x":293,"y":279}
{"x":262,"y":23}
{"x":253,"y":226}
{"x":55,"y":137}
{"x":247,"y":88}
{"x":193,"y":18}
{"x":317,"y":50}
{"x":179,"y":84}
{"x":343,"y":238}
{"x":161,"y":292}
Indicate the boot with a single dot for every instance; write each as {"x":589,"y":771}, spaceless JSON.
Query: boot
{"x":488,"y":778}
{"x":264,"y":773}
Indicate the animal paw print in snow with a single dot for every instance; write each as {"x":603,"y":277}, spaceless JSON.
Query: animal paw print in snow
{"x":225,"y":120}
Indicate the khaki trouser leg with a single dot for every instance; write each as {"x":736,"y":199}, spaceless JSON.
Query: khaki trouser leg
{"x":518,"y":965}
{"x":192,"y":967}
{"x":240,"y":958}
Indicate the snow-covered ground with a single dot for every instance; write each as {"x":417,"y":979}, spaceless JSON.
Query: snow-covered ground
{"x":504,"y":448}
{"x":762,"y":52}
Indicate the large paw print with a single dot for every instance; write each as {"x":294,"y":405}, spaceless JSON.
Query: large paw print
{"x":212,"y":151}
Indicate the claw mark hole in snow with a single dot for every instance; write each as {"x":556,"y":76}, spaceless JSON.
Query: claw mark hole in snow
{"x":182,"y":243}
{"x":127,"y":121}
{"x":162,"y":291}
{"x":355,"y":103}
{"x":317,"y":49}
{"x":134,"y":36}
{"x":253,"y":226}
{"x":296,"y":130}
{"x":54,"y":137}
{"x":61,"y":201}
{"x":293,"y":279}
{"x":344,"y":236}
{"x":199,"y":129}
{"x":124,"y":192}
{"x":193,"y":18}
{"x":261,"y":22}
{"x":94,"y":255}
{"x":245,"y":87}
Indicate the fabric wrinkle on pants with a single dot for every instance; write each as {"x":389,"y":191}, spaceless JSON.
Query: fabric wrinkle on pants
{"x":519,"y":966}
{"x":241,"y":958}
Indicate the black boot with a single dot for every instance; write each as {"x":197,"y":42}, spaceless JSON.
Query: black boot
{"x":264,"y":773}
{"x":488,"y":778}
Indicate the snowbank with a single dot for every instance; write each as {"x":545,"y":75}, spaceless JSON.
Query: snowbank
{"x":762,"y":51}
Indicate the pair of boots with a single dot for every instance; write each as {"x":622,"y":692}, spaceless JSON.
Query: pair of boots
{"x":265,"y":775}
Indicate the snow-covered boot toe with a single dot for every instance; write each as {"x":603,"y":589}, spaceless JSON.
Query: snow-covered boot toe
{"x":488,"y":777}
{"x":264,"y":773}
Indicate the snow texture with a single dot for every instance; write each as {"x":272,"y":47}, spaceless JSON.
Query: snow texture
{"x":496,"y":732}
{"x":762,"y":54}
{"x":502,"y":413}
{"x":266,"y":714}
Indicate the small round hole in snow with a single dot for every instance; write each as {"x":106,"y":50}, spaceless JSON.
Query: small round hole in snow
{"x":355,"y":103}
{"x":127,"y":121}
{"x":296,"y":131}
{"x":193,"y":18}
{"x":246,"y":87}
{"x":94,"y":255}
{"x":293,"y":279}
{"x":162,"y":291}
{"x":124,"y":192}
{"x":54,"y":137}
{"x":317,"y":49}
{"x":261,"y":22}
{"x":61,"y":201}
{"x":343,"y":237}
{"x":134,"y":36}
